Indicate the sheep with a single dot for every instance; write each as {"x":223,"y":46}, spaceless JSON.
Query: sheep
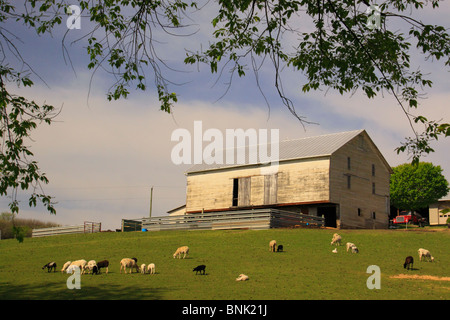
{"x":409,"y":261}
{"x":355,"y":249}
{"x":65,"y":266}
{"x":280,"y":248}
{"x":426,"y":254}
{"x":50,"y":266}
{"x":273,"y":245}
{"x":79,"y":263}
{"x":71,"y":268}
{"x":143,"y":268}
{"x":90,"y":266}
{"x":180,"y":250}
{"x":335,"y":250}
{"x":336,"y":239}
{"x":128,"y":263}
{"x":349,"y":245}
{"x":102,"y":264}
{"x":151,"y":268}
{"x":199,"y":268}
{"x":242,"y":277}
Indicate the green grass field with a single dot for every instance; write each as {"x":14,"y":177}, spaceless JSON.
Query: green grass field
{"x":307,"y":269}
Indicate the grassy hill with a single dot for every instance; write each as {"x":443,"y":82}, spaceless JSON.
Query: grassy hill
{"x":307,"y":269}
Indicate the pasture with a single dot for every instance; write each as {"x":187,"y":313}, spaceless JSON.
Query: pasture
{"x":307,"y":269}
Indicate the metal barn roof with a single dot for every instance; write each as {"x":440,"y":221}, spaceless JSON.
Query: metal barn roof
{"x":310,"y":147}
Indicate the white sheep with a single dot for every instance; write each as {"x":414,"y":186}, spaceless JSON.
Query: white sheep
{"x":180,"y":250}
{"x":349,"y":245}
{"x":242,"y":277}
{"x":66,"y":265}
{"x":425,"y":254}
{"x":71,"y":269}
{"x":335,"y":250}
{"x":90,"y":266}
{"x":79,"y":263}
{"x":273,"y":245}
{"x":143,"y":268}
{"x":336,"y":239}
{"x":355,"y":249}
{"x":128,"y":263}
{"x":151,"y":268}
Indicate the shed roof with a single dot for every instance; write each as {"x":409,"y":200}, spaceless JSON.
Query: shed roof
{"x":310,"y":147}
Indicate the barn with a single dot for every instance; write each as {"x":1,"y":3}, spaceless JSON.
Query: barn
{"x":342,"y":177}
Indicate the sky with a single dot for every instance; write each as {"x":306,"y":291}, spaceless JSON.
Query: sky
{"x":102,"y":158}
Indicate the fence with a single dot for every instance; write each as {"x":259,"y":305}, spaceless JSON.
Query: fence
{"x":87,"y":227}
{"x":242,"y":219}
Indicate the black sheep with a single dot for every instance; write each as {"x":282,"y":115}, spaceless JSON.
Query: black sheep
{"x":102,"y":264}
{"x":280,"y":248}
{"x":50,"y":266}
{"x":409,"y":261}
{"x":199,"y":268}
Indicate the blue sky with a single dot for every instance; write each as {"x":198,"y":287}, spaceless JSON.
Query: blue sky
{"x":103,"y":157}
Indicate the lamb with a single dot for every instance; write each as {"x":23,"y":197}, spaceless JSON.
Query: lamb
{"x":143,"y":268}
{"x":349,"y":245}
{"x":242,"y":277}
{"x":355,"y":249}
{"x":180,"y":250}
{"x":65,"y":266}
{"x":273,"y":245}
{"x":151,"y":268}
{"x":79,"y":263}
{"x":409,"y":261}
{"x":280,"y":248}
{"x":102,"y":264}
{"x":90,"y":266}
{"x":199,"y":268}
{"x":128,"y":263}
{"x":50,"y":266}
{"x":336,"y":239}
{"x":424,"y":253}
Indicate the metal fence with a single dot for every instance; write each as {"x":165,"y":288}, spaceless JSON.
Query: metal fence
{"x":87,"y":227}
{"x":242,"y":219}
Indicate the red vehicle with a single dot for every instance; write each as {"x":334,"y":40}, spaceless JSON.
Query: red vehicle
{"x":408,"y":217}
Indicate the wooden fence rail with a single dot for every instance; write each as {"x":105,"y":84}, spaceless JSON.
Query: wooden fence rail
{"x":242,"y":219}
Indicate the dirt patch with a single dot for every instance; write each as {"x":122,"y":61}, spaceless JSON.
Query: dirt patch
{"x":419,"y":277}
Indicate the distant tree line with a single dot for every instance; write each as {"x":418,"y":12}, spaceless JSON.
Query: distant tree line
{"x":8,"y":222}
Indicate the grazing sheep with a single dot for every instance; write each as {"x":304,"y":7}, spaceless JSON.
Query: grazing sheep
{"x":71,"y":269}
{"x":151,"y":268}
{"x":79,"y":263}
{"x":355,"y":249}
{"x":336,"y":239}
{"x":102,"y":264}
{"x":143,"y":268}
{"x":280,"y":248}
{"x":128,"y":263}
{"x":409,"y":261}
{"x":199,"y":268}
{"x":335,"y":250}
{"x":273,"y":245}
{"x":90,"y":266}
{"x":424,"y":253}
{"x":66,"y":265}
{"x":349,"y":245}
{"x":50,"y":266}
{"x":180,"y":250}
{"x":242,"y":277}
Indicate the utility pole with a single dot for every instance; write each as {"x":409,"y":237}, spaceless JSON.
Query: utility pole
{"x":151,"y":200}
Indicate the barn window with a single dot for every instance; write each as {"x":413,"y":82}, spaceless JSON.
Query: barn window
{"x":373,"y":170}
{"x":359,"y":212}
{"x":373,"y":187}
{"x":373,"y":215}
{"x":235,"y":192}
{"x":349,"y":163}
{"x":349,"y":182}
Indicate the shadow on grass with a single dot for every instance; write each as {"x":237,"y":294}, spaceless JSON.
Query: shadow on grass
{"x":59,"y":291}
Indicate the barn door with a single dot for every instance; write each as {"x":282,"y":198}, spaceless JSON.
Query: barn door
{"x":244,"y":191}
{"x":270,"y":189}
